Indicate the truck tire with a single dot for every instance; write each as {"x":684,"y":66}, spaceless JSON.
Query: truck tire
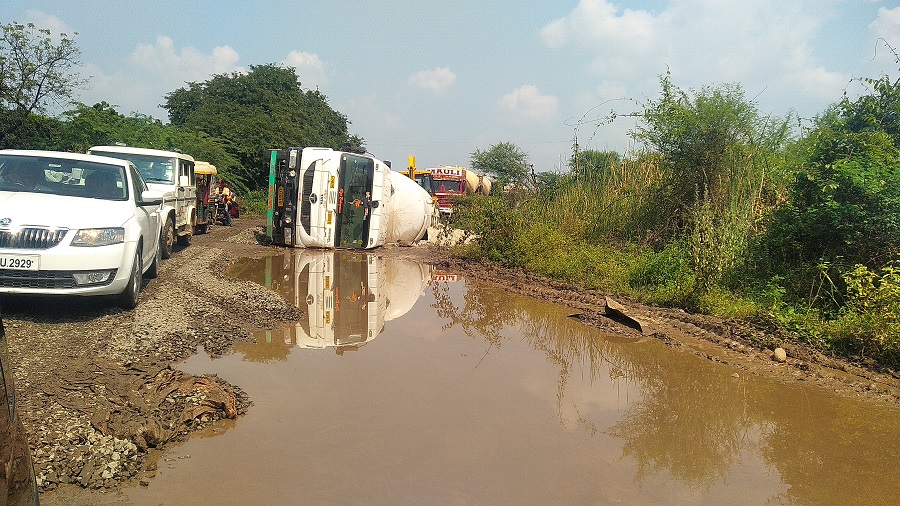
{"x":185,"y":239}
{"x":167,"y":239}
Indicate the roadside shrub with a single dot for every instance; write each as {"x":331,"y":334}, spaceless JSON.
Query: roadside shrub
{"x":844,"y":203}
{"x":715,"y":149}
{"x":256,"y":202}
{"x":728,"y":304}
{"x":664,"y":277}
{"x":717,"y":242}
{"x":869,"y":323}
{"x":495,"y":224}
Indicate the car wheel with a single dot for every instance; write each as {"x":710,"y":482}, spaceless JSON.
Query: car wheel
{"x":129,"y":297}
{"x":167,"y":240}
{"x":153,"y":271}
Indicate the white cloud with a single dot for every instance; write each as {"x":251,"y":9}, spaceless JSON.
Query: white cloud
{"x":309,"y":68}
{"x":56,"y":26}
{"x":151,"y":72}
{"x":527,"y":102}
{"x":887,"y":26}
{"x":594,"y":22}
{"x":188,"y":64}
{"x":437,"y":80}
{"x":761,"y":44}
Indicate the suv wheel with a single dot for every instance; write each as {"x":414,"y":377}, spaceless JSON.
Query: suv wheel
{"x":167,"y":240}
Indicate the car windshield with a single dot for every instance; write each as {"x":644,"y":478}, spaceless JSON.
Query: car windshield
{"x":62,"y":176}
{"x":154,"y":169}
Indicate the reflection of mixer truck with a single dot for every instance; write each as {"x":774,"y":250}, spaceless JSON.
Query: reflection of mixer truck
{"x":450,"y":182}
{"x":349,"y":296}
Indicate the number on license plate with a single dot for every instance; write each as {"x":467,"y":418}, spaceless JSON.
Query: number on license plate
{"x":19,"y":262}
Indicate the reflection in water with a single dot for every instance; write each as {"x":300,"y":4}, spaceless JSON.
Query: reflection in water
{"x":693,"y":421}
{"x":683,"y":429}
{"x":347,"y":298}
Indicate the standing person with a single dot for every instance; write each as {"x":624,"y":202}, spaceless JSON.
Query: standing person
{"x":225,"y":192}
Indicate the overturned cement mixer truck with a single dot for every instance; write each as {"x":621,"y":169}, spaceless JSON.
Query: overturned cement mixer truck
{"x":323,"y":198}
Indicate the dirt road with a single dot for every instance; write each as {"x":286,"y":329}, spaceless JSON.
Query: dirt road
{"x":100,"y":394}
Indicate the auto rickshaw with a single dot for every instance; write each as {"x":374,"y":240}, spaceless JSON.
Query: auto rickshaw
{"x":205,"y":173}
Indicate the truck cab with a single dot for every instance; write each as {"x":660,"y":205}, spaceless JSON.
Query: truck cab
{"x":448,"y":183}
{"x":172,"y":174}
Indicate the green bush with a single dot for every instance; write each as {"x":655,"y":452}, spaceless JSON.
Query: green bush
{"x":869,"y":324}
{"x":844,"y":202}
{"x":664,"y":277}
{"x":256,"y":202}
{"x":496,"y":225}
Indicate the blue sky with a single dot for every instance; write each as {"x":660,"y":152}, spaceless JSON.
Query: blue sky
{"x":439,"y":79}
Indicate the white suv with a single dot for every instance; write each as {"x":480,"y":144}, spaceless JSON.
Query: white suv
{"x":172,"y":173}
{"x":76,"y":224}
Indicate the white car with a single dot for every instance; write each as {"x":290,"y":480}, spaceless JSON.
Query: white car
{"x":74,"y":224}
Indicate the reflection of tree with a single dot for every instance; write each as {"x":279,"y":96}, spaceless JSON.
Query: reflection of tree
{"x":690,"y":423}
{"x":482,"y":311}
{"x":832,"y":451}
{"x":486,"y":312}
{"x":263,"y":350}
{"x":694,"y":421}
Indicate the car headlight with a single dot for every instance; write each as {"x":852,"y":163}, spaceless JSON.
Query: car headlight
{"x":99,"y":236}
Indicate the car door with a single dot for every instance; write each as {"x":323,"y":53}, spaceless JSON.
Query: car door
{"x":146,"y":214}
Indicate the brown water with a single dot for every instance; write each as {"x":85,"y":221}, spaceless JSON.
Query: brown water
{"x":403,"y":390}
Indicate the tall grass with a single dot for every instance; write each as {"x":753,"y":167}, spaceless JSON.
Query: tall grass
{"x":680,"y":225}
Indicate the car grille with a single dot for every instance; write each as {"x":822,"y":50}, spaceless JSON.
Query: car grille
{"x":47,"y":280}
{"x":305,"y":204}
{"x":31,"y":238}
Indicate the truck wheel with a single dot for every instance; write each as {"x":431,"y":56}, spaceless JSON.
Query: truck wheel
{"x":185,"y":240}
{"x":128,"y":299}
{"x":167,"y":240}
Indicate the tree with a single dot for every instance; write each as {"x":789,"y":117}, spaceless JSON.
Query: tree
{"x":594,"y":162}
{"x":506,"y":163}
{"x":844,"y":201}
{"x":34,"y":72}
{"x":101,"y":124}
{"x":714,"y":146}
{"x":251,"y":112}
{"x":878,"y":111}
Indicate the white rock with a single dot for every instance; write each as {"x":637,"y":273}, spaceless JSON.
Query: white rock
{"x":780,"y":355}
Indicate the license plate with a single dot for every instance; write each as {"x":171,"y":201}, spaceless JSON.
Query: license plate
{"x":20,"y":262}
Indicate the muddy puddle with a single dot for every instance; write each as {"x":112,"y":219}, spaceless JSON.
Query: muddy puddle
{"x":405,"y":385}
